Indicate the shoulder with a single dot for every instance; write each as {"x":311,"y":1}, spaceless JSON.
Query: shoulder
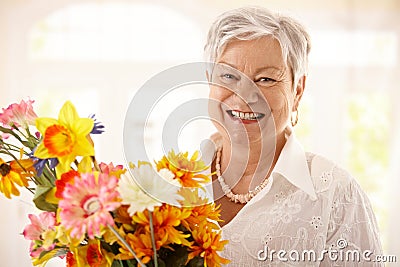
{"x":326,"y":175}
{"x":350,"y":212}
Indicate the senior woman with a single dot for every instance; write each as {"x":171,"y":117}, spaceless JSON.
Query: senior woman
{"x":279,"y":205}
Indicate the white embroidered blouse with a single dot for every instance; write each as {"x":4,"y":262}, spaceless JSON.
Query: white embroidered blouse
{"x":311,"y":213}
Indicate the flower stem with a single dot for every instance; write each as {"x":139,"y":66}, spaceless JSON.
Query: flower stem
{"x":153,"y":240}
{"x":11,"y":146}
{"x":30,"y":190}
{"x":16,"y":160}
{"x":26,"y":137}
{"x":10,"y":131}
{"x":115,"y":232}
{"x":95,"y":164}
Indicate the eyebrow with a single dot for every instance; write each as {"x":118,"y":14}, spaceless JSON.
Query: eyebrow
{"x":258,"y":70}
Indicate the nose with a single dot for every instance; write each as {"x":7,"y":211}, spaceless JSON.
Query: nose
{"x":248,"y":91}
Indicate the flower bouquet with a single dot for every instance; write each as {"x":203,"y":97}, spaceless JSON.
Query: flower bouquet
{"x":97,"y":214}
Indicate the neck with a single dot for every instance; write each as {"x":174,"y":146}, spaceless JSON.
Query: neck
{"x":246,"y":166}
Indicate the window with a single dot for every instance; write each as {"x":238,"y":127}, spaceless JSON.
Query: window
{"x":115,"y":32}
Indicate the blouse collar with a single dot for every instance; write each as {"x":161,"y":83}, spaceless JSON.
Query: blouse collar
{"x":292,"y":165}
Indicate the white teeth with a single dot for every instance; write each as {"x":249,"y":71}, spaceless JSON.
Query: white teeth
{"x":246,"y":115}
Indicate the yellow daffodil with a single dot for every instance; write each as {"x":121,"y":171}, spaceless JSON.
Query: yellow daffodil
{"x":91,"y":254}
{"x":85,"y":165}
{"x":63,"y":238}
{"x":65,"y":138}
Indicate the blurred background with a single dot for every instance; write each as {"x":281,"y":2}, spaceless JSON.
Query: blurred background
{"x":98,"y":53}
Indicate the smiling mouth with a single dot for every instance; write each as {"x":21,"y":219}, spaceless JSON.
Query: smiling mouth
{"x":249,"y":116}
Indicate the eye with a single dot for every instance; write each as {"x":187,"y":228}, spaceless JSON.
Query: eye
{"x":266,"y":80}
{"x":228,"y":76}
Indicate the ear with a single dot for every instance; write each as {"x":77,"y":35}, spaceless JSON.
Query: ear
{"x":298,"y":93}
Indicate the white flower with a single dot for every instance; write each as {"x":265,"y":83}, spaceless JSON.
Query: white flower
{"x":167,"y":175}
{"x":147,"y":189}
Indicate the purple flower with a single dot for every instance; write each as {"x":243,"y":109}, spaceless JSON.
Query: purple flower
{"x":98,"y":128}
{"x":41,"y":163}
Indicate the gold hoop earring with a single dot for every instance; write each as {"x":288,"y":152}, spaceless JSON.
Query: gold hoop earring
{"x":295,"y":119}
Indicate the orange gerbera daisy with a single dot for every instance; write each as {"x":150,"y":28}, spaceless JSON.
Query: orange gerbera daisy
{"x":14,"y":173}
{"x":66,"y":178}
{"x":55,"y":194}
{"x":201,"y":209}
{"x":187,"y":171}
{"x":141,"y":244}
{"x":207,"y":244}
{"x":165,"y":220}
{"x":122,"y":215}
{"x":191,"y":197}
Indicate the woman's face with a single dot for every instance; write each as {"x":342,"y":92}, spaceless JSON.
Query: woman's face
{"x":251,"y":91}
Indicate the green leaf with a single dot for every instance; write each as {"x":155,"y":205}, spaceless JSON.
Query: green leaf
{"x":48,"y":177}
{"x":45,"y":256}
{"x":131,"y":264}
{"x":40,"y":198}
{"x":196,"y":262}
{"x":176,"y":258}
{"x":27,"y":144}
{"x":57,"y":252}
{"x":117,"y":263}
{"x":6,"y":130}
{"x":10,"y":131}
{"x":160,"y":263}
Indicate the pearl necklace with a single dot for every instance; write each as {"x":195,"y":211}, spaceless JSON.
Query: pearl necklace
{"x":242,"y":198}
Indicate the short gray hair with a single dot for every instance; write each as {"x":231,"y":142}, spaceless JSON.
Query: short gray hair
{"x":248,"y":23}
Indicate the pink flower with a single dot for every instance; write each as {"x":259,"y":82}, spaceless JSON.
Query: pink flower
{"x":39,"y":224}
{"x":35,"y":250}
{"x":86,"y":204}
{"x":110,"y":169}
{"x":21,"y":114}
{"x":36,"y":231}
{"x":4,"y":136}
{"x":107,"y":168}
